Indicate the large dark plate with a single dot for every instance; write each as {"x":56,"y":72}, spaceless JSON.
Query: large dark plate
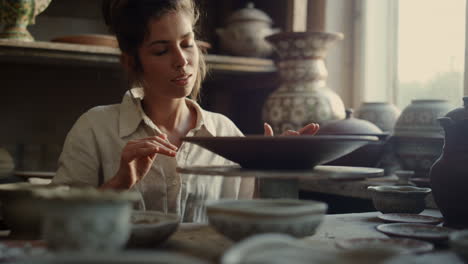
{"x":282,"y":152}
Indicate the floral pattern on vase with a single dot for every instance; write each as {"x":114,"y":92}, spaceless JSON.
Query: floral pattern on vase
{"x":16,"y":15}
{"x":303,"y":95}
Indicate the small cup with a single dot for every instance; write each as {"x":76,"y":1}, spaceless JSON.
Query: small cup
{"x":399,"y":199}
{"x":404,"y":178}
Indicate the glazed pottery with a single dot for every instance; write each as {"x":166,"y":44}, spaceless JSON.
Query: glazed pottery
{"x":150,"y":228}
{"x":430,"y":233}
{"x":399,"y":199}
{"x":239,"y":219}
{"x":303,"y":96}
{"x":410,"y":218}
{"x":382,"y":114}
{"x":459,"y":243}
{"x":449,"y":174}
{"x":16,"y":15}
{"x":404,"y":178}
{"x":86,"y":219}
{"x":282,"y":152}
{"x":418,"y":137}
{"x":403,"y":245}
{"x":365,"y":156}
{"x":245,"y":33}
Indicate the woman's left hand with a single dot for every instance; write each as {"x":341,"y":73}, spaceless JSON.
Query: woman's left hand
{"x":309,"y":129}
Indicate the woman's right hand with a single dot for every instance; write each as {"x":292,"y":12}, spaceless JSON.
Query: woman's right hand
{"x":137,"y":158}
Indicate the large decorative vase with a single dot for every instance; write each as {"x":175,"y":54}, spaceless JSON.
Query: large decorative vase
{"x":418,"y":138}
{"x":382,"y":114}
{"x":16,"y":15}
{"x":303,"y":95}
{"x":449,"y":174}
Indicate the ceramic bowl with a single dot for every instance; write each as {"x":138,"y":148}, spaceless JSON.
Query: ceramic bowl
{"x":399,"y":199}
{"x":281,"y":152}
{"x":21,"y":212}
{"x":459,"y":243}
{"x":150,"y":228}
{"x":86,"y":219}
{"x":239,"y":219}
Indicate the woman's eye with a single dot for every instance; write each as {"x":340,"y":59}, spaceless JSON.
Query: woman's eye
{"x":159,"y":53}
{"x":187,"y":45}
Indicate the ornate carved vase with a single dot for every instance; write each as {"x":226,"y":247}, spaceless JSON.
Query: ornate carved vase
{"x":382,"y":114}
{"x":449,"y":174}
{"x":16,"y":15}
{"x":418,"y":137}
{"x":303,"y":95}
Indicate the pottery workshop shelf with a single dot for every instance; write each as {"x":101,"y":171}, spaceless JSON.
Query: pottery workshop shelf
{"x":39,"y":52}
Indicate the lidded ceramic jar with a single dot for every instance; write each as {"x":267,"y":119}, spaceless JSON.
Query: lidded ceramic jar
{"x":382,"y":114}
{"x":16,"y":15}
{"x":449,"y":173}
{"x":366,"y":156}
{"x":245,"y":32}
{"x":418,"y":138}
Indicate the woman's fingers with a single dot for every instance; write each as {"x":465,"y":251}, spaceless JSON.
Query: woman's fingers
{"x":268,"y":130}
{"x":309,"y":129}
{"x":145,"y":148}
{"x":162,"y":139}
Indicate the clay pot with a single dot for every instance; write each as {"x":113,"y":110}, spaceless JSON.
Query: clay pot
{"x":245,"y":33}
{"x":368,"y":155}
{"x":383,"y":115}
{"x":449,"y":174}
{"x":418,"y":138}
{"x":303,"y":95}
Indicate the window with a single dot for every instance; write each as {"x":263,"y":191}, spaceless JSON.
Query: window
{"x":409,"y":49}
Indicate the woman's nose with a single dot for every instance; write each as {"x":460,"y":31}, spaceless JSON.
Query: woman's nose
{"x":180,"y":59}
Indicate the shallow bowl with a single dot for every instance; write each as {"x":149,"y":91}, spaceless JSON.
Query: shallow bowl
{"x":399,"y":199}
{"x":282,"y":152}
{"x":150,"y":228}
{"x":239,"y":219}
{"x":459,"y":243}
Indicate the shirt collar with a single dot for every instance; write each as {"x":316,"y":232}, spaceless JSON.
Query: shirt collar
{"x":132,"y":114}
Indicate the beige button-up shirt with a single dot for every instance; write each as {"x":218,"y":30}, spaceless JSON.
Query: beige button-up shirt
{"x":92,"y":149}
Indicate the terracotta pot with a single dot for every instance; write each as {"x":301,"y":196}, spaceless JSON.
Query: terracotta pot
{"x":16,"y":15}
{"x":449,"y":174}
{"x":303,"y":95}
{"x":418,"y":138}
{"x":382,"y":114}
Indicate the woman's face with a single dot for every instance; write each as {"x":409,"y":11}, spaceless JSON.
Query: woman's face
{"x":169,"y":57}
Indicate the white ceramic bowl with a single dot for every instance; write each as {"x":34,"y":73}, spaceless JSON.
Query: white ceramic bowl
{"x":459,"y":243}
{"x":238,"y":219}
{"x":150,"y":228}
{"x":399,"y":199}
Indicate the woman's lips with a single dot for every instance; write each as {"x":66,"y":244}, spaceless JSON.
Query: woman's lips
{"x":181,"y":80}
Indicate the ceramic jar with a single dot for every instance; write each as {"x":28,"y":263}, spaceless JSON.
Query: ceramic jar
{"x":6,"y":163}
{"x":418,"y":137}
{"x":303,"y":95}
{"x":86,"y":219}
{"x":367,"y":155}
{"x":16,"y":15}
{"x":382,"y":114}
{"x":245,"y":32}
{"x":449,"y":174}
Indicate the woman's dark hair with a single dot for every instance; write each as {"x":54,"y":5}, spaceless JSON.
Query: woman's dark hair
{"x":129,"y":20}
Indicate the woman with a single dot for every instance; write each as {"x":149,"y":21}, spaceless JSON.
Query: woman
{"x":137,"y":144}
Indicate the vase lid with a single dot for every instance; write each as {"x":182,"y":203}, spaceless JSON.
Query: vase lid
{"x":460,"y":113}
{"x":249,"y":13}
{"x":351,"y":126}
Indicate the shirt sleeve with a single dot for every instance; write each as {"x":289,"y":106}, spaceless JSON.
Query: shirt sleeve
{"x":79,"y":162}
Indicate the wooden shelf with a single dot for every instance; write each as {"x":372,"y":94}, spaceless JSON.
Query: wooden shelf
{"x":39,"y":52}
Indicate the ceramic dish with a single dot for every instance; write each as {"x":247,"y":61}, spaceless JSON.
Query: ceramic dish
{"x":89,"y":39}
{"x":150,"y":228}
{"x":410,"y":218}
{"x":281,"y":152}
{"x":403,"y":245}
{"x":416,"y":231}
{"x":399,"y":199}
{"x":239,"y":219}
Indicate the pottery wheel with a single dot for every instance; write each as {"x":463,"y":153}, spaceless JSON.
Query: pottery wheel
{"x":319,"y":172}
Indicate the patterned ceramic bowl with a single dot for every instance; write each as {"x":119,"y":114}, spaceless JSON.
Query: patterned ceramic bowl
{"x":399,"y":199}
{"x":238,"y":219}
{"x":150,"y":228}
